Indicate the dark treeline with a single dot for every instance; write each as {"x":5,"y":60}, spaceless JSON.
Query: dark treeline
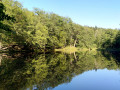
{"x":22,"y":29}
{"x":49,"y":70}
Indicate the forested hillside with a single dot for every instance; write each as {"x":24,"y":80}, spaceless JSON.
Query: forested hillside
{"x":22,"y":29}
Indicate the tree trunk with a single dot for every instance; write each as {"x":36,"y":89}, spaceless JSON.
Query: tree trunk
{"x":75,"y":42}
{"x":70,"y":41}
{"x":0,"y":59}
{"x":75,"y":56}
{"x":0,"y":45}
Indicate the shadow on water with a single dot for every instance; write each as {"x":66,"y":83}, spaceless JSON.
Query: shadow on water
{"x":43,"y":71}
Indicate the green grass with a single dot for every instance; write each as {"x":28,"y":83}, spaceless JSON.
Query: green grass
{"x":68,"y":49}
{"x":72,"y":49}
{"x":86,"y":49}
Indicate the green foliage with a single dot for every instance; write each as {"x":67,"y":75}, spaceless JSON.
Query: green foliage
{"x":39,"y":30}
{"x":50,"y":70}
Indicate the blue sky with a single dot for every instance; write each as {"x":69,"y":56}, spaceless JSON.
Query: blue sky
{"x":101,"y":13}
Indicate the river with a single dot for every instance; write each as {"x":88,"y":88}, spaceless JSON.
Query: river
{"x":90,"y":70}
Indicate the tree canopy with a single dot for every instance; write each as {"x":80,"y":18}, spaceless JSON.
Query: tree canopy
{"x":40,"y":30}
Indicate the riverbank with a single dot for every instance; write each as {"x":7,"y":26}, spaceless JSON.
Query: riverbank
{"x":68,"y":49}
{"x":72,"y":49}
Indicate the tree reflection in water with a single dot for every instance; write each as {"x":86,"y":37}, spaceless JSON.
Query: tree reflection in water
{"x":49,"y":70}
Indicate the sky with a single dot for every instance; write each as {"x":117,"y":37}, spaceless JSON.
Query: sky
{"x":101,"y":13}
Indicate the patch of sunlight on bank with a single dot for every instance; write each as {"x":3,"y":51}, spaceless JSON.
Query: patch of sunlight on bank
{"x":68,"y":49}
{"x":86,"y":49}
{"x":72,"y":49}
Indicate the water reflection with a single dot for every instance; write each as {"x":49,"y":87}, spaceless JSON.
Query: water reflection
{"x":47,"y":71}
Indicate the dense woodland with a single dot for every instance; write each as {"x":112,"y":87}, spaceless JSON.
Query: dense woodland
{"x":40,"y":30}
{"x":37,"y":30}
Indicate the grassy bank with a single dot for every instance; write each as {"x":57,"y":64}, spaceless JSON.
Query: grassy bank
{"x":68,"y":49}
{"x":72,"y":49}
{"x":87,"y":49}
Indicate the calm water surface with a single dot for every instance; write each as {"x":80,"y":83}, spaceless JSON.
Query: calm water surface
{"x":59,"y":71}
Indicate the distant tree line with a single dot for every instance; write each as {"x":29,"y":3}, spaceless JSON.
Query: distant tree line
{"x":40,"y":30}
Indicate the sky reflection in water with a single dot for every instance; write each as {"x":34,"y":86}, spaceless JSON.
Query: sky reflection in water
{"x":101,"y":79}
{"x":60,"y":71}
